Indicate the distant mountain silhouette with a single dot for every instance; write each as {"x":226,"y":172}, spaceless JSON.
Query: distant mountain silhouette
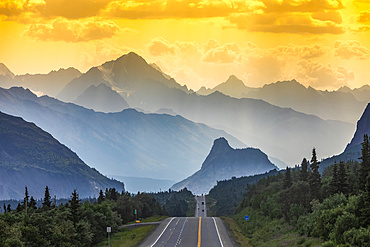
{"x":224,"y":162}
{"x":232,"y":87}
{"x":281,"y":132}
{"x":127,"y":143}
{"x":6,"y":76}
{"x":126,"y":74}
{"x":31,"y":157}
{"x":361,"y":94}
{"x":50,"y":84}
{"x":101,"y":98}
{"x":353,"y":149}
{"x":344,"y":104}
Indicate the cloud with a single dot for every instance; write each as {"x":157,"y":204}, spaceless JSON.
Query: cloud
{"x":323,"y":76}
{"x":72,"y":9}
{"x":300,"y":52}
{"x":301,"y":6}
{"x":333,"y":16}
{"x":364,"y":17}
{"x":72,"y":31}
{"x":284,"y":23}
{"x":158,"y":9}
{"x":160,"y":46}
{"x":227,"y":53}
{"x":347,"y":49}
{"x":13,"y":8}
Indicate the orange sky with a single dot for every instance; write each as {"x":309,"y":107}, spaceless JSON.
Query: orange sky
{"x":321,"y":43}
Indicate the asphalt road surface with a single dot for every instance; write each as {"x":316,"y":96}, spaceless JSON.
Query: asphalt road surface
{"x":199,"y":231}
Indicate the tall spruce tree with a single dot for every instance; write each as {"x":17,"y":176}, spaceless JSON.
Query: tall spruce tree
{"x":47,"y":199}
{"x":365,"y":163}
{"x":287,"y":179}
{"x":101,"y":197}
{"x":342,"y":178}
{"x":334,"y":180}
{"x":74,"y":208}
{"x":315,"y":178}
{"x":304,"y":170}
{"x":33,"y":204}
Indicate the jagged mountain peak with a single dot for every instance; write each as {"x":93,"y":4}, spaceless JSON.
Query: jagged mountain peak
{"x":234,"y":80}
{"x":288,"y":84}
{"x":220,"y":145}
{"x":4,"y":71}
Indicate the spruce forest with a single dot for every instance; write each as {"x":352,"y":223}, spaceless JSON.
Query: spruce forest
{"x":301,"y":207}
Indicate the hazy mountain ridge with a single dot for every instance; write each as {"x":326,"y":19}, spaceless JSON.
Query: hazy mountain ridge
{"x":101,"y":98}
{"x":125,"y":75}
{"x":126,"y":143}
{"x":336,"y":105}
{"x":224,"y":162}
{"x":50,"y":84}
{"x":282,"y":133}
{"x":232,"y":87}
{"x":31,"y":157}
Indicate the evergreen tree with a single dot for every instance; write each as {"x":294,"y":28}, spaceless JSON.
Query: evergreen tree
{"x":304,"y":170}
{"x":74,"y":208}
{"x":315,"y":178}
{"x":113,"y":194}
{"x":19,"y":208}
{"x":365,"y":163}
{"x":26,"y":196}
{"x":101,"y":197}
{"x":334,"y":183}
{"x":9,"y":209}
{"x":365,"y":211}
{"x":47,"y":199}
{"x":287,"y":179}
{"x":33,"y":203}
{"x":342,"y":178}
{"x":4,"y":208}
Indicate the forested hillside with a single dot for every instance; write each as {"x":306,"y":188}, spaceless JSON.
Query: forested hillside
{"x":293,"y":207}
{"x":228,"y":194}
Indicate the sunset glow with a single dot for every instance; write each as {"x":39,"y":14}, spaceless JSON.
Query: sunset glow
{"x":321,"y":43}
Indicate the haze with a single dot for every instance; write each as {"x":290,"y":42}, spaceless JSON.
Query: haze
{"x":323,"y":44}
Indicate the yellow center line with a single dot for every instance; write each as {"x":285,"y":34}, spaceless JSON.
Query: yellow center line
{"x":199,"y":235}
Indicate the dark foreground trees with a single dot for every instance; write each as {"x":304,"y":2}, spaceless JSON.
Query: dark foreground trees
{"x":74,"y":223}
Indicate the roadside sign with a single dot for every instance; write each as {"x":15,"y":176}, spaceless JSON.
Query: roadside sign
{"x":247,"y":217}
{"x":109,"y":229}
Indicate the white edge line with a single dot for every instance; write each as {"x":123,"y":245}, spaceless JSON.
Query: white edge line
{"x":162,"y":233}
{"x":219,"y":237}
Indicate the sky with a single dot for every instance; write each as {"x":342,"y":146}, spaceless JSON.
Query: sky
{"x":324,"y":44}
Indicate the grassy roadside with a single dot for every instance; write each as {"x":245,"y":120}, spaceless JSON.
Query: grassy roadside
{"x":132,"y":237}
{"x":128,"y":238}
{"x":235,"y":232}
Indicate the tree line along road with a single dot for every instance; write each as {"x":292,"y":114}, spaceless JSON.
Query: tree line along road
{"x":198,"y":231}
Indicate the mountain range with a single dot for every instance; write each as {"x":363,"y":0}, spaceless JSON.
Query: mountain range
{"x":50,"y":84}
{"x":344,"y":104}
{"x":281,"y":132}
{"x":224,"y":162}
{"x":31,"y":157}
{"x":126,"y":143}
{"x":285,"y":119}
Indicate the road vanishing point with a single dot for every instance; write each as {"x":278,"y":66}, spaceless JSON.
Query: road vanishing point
{"x":198,"y":231}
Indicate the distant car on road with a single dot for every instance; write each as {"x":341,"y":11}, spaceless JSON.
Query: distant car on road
{"x":202,"y":203}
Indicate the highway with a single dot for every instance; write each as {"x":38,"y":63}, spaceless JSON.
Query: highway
{"x":199,"y":231}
